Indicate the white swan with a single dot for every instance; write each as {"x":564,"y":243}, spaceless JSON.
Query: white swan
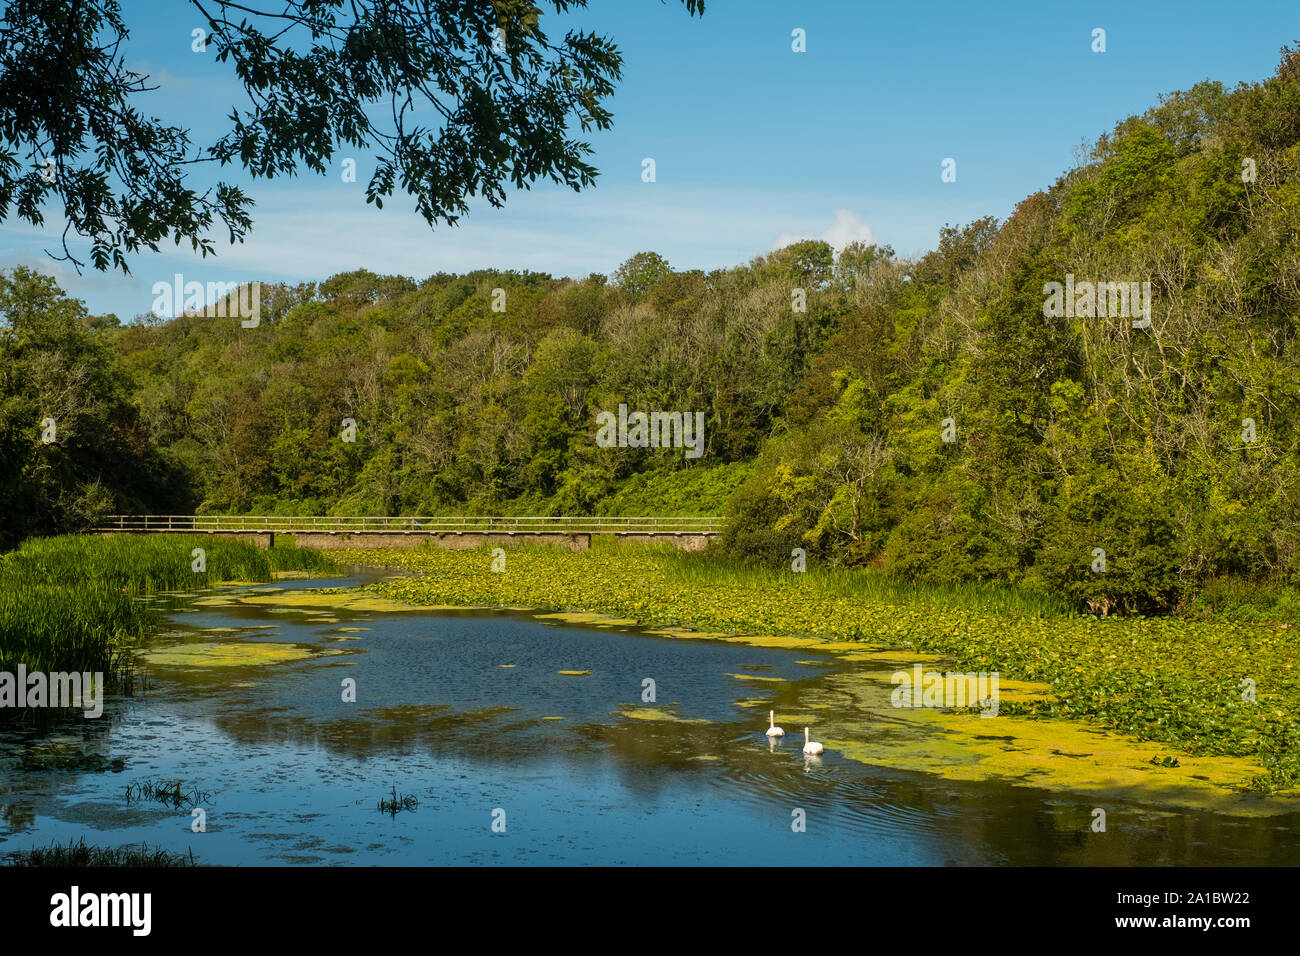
{"x":810,"y":746}
{"x":773,"y":730}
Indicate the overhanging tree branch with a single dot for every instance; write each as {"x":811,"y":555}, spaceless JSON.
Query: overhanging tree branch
{"x":316,"y":73}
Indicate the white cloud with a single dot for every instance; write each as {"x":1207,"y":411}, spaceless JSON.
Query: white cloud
{"x":848,"y":227}
{"x":311,"y":229}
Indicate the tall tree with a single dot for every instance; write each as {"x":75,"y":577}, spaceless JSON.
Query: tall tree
{"x":72,"y":447}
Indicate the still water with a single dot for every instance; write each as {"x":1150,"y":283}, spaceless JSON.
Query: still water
{"x":469,"y":714}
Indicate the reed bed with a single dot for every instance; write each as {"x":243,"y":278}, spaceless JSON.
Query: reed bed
{"x":69,"y":603}
{"x":78,"y":854}
{"x":868,"y":585}
{"x":143,"y":563}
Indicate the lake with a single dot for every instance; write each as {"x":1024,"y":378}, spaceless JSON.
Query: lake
{"x":511,"y":761}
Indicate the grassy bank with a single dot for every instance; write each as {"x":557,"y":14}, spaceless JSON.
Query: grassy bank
{"x":67,"y":603}
{"x":1171,"y":680}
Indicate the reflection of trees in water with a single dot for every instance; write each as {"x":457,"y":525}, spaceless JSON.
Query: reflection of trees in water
{"x":18,"y":816}
{"x":1022,"y":826}
{"x":34,"y":722}
{"x":62,"y":744}
{"x":952,"y":822}
{"x":497,"y":736}
{"x":431,"y":728}
{"x":61,"y":738}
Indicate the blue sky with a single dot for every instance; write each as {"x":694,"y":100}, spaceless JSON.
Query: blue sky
{"x":753,"y":143}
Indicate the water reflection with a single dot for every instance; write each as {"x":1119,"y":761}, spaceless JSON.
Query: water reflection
{"x":472,"y":712}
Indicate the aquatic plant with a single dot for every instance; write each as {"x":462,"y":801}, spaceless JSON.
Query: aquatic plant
{"x":171,"y":793}
{"x":68,"y":603}
{"x":392,"y":805}
{"x":141,"y":564}
{"x":78,"y":854}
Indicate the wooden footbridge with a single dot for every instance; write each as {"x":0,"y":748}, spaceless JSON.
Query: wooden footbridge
{"x":346,"y":531}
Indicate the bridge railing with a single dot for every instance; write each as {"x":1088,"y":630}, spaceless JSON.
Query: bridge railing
{"x":541,"y":524}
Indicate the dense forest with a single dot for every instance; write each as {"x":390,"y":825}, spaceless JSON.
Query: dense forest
{"x":932,"y":417}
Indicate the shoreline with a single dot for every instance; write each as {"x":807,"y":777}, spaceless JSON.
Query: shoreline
{"x":1056,"y":753}
{"x":1172,"y":683}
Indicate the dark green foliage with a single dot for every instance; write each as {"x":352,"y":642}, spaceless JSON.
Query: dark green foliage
{"x":756,"y":529}
{"x":471,"y":400}
{"x":319,"y":75}
{"x":1075,"y":434}
{"x":61,"y":380}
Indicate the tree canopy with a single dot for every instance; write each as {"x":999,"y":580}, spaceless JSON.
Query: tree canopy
{"x":319,"y":75}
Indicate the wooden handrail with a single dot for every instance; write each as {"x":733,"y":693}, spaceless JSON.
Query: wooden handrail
{"x":685,"y":524}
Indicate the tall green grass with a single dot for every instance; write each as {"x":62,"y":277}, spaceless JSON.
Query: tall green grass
{"x":707,"y":571}
{"x":67,"y":603}
{"x":145,"y":563}
{"x":64,"y":628}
